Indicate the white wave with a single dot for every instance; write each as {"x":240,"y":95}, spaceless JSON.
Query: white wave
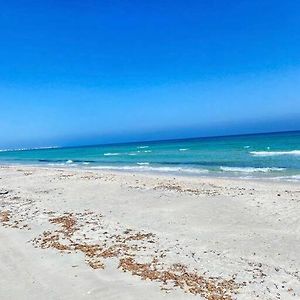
{"x":246,"y":147}
{"x":147,"y":151}
{"x":142,"y":147}
{"x":132,"y":154}
{"x":143,"y":163}
{"x":111,"y":154}
{"x":191,"y":170}
{"x":292,"y":178}
{"x":249,"y":169}
{"x":275,"y":153}
{"x":295,"y":177}
{"x":183,"y":149}
{"x":85,"y":163}
{"x":69,"y":161}
{"x":146,"y":168}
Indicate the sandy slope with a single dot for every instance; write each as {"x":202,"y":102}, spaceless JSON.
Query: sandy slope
{"x":76,"y":234}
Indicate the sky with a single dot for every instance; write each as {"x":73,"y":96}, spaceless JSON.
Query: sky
{"x":90,"y":72}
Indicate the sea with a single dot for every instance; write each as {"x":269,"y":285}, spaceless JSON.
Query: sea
{"x":270,"y":156}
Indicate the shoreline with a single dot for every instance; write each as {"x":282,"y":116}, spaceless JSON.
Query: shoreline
{"x":216,"y":238}
{"x":244,"y":176}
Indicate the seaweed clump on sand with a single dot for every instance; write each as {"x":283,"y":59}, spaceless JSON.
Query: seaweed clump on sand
{"x":179,"y":276}
{"x":4,"y":216}
{"x":128,"y":246}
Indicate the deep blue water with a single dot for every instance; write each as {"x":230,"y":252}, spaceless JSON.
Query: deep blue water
{"x":264,"y":155}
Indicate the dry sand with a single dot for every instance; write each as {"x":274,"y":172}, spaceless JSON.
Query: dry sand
{"x":82,"y":234}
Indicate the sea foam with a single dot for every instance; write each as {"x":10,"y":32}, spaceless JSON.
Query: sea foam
{"x":148,"y":168}
{"x":275,"y":153}
{"x":111,"y":154}
{"x":250,"y":169}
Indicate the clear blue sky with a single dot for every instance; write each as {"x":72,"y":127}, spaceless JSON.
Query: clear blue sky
{"x":86,"y":72}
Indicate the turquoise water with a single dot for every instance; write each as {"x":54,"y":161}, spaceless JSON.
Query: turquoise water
{"x":275,"y":155}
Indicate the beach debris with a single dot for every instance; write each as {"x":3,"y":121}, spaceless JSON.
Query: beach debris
{"x":179,"y":276}
{"x":16,"y":212}
{"x":129,"y":247}
{"x":4,"y":216}
{"x":67,"y":222}
{"x":180,"y":189}
{"x":4,"y":192}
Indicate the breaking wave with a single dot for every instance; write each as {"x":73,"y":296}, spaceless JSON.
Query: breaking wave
{"x":250,"y":169}
{"x":148,"y":168}
{"x":275,"y":153}
{"x":111,"y":154}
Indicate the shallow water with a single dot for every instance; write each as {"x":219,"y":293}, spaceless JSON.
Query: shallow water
{"x":275,"y":155}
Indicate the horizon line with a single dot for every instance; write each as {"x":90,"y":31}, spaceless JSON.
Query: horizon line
{"x":181,"y":139}
{"x":149,"y":141}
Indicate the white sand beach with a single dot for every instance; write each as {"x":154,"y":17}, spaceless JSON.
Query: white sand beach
{"x":84,"y":234}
